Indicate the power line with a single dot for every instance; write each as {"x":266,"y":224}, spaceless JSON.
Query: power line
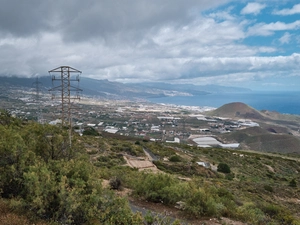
{"x":68,"y":93}
{"x":37,"y":85}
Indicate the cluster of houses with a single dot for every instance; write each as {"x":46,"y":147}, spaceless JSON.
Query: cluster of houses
{"x":163,"y":123}
{"x":155,"y":122}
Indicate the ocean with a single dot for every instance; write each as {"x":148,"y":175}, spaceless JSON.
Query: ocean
{"x":282,"y":102}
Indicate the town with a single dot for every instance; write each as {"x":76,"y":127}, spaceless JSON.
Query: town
{"x":190,"y":125}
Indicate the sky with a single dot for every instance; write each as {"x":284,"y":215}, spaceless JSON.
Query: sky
{"x":252,"y":44}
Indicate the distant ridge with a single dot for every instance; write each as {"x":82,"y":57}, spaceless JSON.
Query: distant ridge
{"x":237,"y":110}
{"x":117,"y":90}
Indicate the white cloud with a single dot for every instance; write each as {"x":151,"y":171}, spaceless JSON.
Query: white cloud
{"x":285,"y":39}
{"x":253,"y":8}
{"x":273,"y":84}
{"x":265,"y":49}
{"x":285,"y":12}
{"x":263,"y":29}
{"x":225,"y":65}
{"x":145,"y":41}
{"x":225,"y":14}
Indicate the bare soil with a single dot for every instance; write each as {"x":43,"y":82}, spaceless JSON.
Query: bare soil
{"x":178,"y":214}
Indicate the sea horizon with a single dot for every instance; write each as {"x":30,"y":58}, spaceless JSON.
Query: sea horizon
{"x":285,"y":102}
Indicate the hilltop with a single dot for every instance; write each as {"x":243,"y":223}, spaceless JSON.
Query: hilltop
{"x":237,"y":110}
{"x":275,"y":133}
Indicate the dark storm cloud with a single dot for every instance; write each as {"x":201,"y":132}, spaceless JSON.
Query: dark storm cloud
{"x":79,"y":20}
{"x":23,"y":18}
{"x":127,"y":19}
{"x":121,"y":19}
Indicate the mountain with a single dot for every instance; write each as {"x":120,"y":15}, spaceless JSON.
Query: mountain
{"x":117,"y":90}
{"x":237,"y":110}
{"x":274,"y":134}
{"x":195,"y":89}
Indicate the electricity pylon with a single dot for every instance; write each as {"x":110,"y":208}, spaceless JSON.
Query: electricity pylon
{"x":69,"y":93}
{"x":37,"y":85}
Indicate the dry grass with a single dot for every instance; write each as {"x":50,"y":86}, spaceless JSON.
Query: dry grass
{"x":8,"y":217}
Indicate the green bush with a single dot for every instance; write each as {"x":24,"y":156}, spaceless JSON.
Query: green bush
{"x":53,"y":182}
{"x":208,"y":200}
{"x":115,"y":183}
{"x":252,"y":214}
{"x":68,"y":192}
{"x":158,"y":188}
{"x":293,"y":183}
{"x":268,"y":188}
{"x":229,"y":176}
{"x":223,"y":168}
{"x":175,"y":158}
{"x":90,"y":131}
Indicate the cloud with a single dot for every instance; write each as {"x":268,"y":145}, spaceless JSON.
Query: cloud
{"x":263,"y":29}
{"x":97,"y":20}
{"x":132,"y":41}
{"x":253,"y":8}
{"x":285,"y":12}
{"x":285,"y":39}
{"x":273,"y":84}
{"x":210,"y":66}
{"x":25,"y":18}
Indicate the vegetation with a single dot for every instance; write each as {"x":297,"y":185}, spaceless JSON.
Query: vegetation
{"x":223,"y":168}
{"x":45,"y":181}
{"x":41,"y":174}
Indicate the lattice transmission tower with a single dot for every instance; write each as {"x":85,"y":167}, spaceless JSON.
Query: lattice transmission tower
{"x":37,"y":85}
{"x":68,"y":93}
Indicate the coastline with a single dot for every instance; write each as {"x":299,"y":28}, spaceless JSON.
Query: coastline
{"x":282,"y":102}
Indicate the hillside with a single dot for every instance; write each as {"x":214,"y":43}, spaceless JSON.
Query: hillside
{"x":65,"y":185}
{"x":258,"y":139}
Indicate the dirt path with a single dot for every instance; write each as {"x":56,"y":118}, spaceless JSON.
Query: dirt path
{"x":168,"y":212}
{"x":164,"y":211}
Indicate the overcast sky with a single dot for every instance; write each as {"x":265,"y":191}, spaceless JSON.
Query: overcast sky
{"x":254,"y":44}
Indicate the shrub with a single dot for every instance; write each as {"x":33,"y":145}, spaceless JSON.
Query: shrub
{"x":90,"y":131}
{"x":223,"y":168}
{"x":293,"y":183}
{"x":268,"y":188}
{"x":175,"y":158}
{"x":115,"y":183}
{"x":250,"y":213}
{"x":158,"y":188}
{"x":229,"y":176}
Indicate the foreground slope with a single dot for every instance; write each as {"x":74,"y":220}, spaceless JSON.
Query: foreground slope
{"x":62,"y":185}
